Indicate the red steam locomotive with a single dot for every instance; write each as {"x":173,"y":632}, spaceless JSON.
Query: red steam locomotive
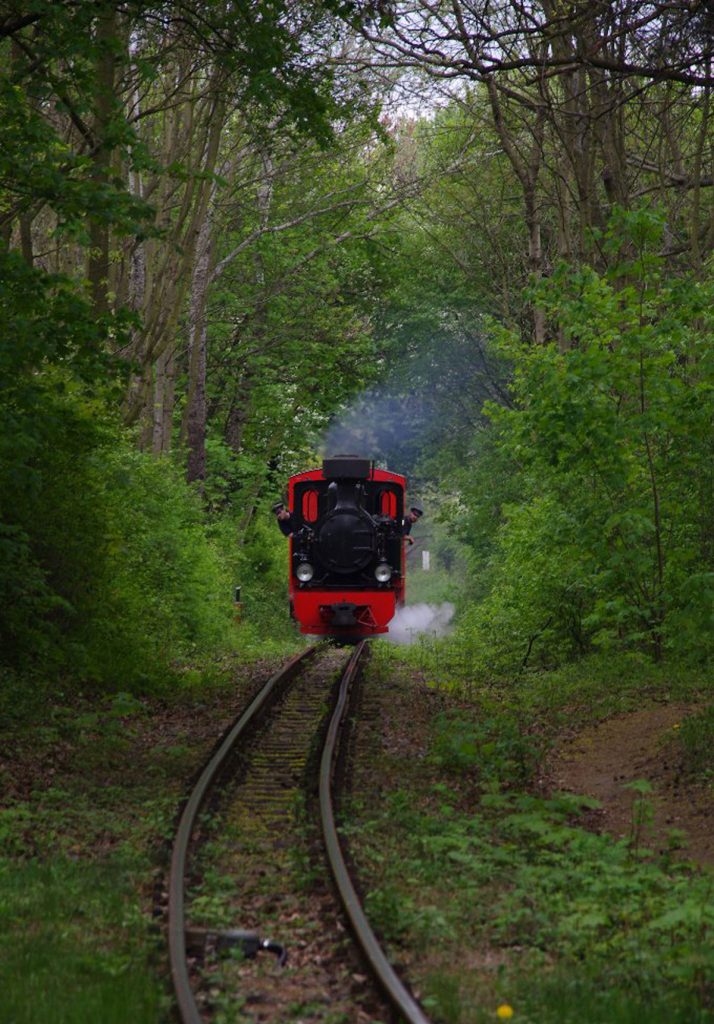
{"x":347,"y":548}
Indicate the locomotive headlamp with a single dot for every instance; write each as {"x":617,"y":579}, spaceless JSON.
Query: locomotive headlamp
{"x":304,"y":572}
{"x":383,"y":572}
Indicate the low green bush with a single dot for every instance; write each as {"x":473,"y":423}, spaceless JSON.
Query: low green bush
{"x":696,"y":740}
{"x":166,"y":585}
{"x":521,"y":878}
{"x":498,"y":748}
{"x":257,"y":562}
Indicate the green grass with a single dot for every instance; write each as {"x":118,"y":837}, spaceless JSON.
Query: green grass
{"x":583,"y":692}
{"x":561,"y":998}
{"x":576,"y":999}
{"x":502,"y":895}
{"x":75,"y":947}
{"x":79,"y":847}
{"x":578,"y":922}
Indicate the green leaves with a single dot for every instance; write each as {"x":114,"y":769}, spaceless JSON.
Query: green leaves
{"x":695,"y":738}
{"x":498,"y":749}
{"x":609,"y":541}
{"x":523,"y":879}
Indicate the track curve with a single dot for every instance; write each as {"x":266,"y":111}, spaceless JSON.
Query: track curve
{"x":386,"y":976}
{"x":278,"y":685}
{"x":188,"y":1010}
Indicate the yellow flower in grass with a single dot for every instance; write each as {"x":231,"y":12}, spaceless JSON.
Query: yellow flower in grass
{"x":504,"y":1012}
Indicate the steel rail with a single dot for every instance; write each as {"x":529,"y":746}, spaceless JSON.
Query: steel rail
{"x":386,"y":976}
{"x":185,"y":1000}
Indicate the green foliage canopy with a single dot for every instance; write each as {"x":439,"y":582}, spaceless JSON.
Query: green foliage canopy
{"x":610,"y":541}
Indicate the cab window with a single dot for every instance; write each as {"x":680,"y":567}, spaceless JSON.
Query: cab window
{"x":388,"y":504}
{"x":309,"y":506}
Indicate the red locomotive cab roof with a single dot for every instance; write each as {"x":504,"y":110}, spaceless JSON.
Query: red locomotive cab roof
{"x":379,"y":475}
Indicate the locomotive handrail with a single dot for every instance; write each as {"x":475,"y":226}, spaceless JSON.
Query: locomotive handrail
{"x":387,"y":977}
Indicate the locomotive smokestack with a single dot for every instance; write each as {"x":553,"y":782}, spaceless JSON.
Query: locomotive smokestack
{"x":347,"y":467}
{"x":344,"y":494}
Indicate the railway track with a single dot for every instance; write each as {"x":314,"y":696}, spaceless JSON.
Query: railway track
{"x":258,"y":771}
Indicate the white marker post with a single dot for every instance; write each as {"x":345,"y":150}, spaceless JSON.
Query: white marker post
{"x":425,"y":561}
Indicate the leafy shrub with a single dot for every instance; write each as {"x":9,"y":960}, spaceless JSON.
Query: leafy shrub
{"x":167,"y":577}
{"x":257,"y":561}
{"x":561,"y":902}
{"x":539,"y":590}
{"x":113,"y":576}
{"x":497,"y":746}
{"x":601,"y":537}
{"x":696,"y":738}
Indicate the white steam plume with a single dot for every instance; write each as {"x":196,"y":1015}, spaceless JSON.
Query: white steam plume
{"x":415,"y":620}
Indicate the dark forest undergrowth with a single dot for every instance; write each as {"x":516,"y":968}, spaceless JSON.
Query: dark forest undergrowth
{"x":491,"y":889}
{"x":496,"y":890}
{"x":91,"y":790}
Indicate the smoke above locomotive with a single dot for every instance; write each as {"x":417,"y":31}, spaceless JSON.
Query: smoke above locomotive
{"x":347,"y":558}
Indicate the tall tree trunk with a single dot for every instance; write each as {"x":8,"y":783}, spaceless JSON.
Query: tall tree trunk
{"x":527,"y":170}
{"x":26,"y":237}
{"x":566,"y":103}
{"x":238,"y":411}
{"x":164,"y":400}
{"x":172,"y":268}
{"x":144,"y":387}
{"x":695,"y":226}
{"x":195,"y":415}
{"x":98,"y":260}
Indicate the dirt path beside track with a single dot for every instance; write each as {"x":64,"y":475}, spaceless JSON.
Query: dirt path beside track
{"x":602,"y":760}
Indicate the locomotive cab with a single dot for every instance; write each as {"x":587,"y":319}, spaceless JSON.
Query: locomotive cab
{"x":347,"y":552}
